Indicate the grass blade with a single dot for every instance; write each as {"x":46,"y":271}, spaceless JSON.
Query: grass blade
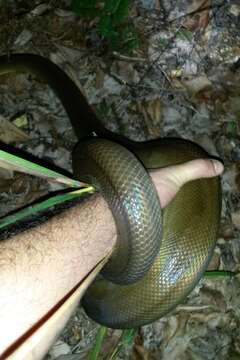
{"x":17,"y":163}
{"x":219,"y":273}
{"x":43,"y":205}
{"x":102,"y":332}
{"x":126,"y":339}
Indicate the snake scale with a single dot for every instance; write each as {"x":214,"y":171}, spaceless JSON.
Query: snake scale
{"x":160,"y":255}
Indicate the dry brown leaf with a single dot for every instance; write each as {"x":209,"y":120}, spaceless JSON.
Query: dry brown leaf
{"x":213,"y":297}
{"x":140,"y":353}
{"x":198,"y":18}
{"x":152,"y":111}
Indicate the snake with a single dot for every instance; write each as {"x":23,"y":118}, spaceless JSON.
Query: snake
{"x":160,"y":254}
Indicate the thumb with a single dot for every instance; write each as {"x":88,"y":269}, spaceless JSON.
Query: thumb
{"x":170,"y":179}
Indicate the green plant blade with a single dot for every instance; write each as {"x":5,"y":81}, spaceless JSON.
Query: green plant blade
{"x":17,"y":163}
{"x":219,"y":273}
{"x":43,"y":205}
{"x":126,"y":339}
{"x":102,"y":332}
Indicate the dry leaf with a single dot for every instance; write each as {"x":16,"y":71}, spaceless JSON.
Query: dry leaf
{"x":125,"y":71}
{"x":60,"y":348}
{"x":199,"y":18}
{"x":236,"y":219}
{"x":10,"y":133}
{"x":197,"y":84}
{"x":215,"y":261}
{"x":140,"y":353}
{"x":23,"y":38}
{"x":152,"y":111}
{"x":21,"y":121}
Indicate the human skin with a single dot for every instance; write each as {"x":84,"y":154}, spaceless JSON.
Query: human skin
{"x":43,"y":266}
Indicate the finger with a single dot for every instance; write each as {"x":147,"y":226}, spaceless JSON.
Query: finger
{"x":195,"y":169}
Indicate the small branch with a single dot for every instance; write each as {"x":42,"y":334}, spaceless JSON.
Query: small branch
{"x":128,"y":58}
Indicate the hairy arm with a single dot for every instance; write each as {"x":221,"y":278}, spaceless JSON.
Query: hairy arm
{"x":42,"y":265}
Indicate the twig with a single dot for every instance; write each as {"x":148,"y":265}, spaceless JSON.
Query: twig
{"x":128,"y":58}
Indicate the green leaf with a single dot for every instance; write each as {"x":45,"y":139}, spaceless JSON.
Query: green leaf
{"x":85,"y":8}
{"x":121,"y":12}
{"x":127,"y":338}
{"x":17,"y":163}
{"x":185,"y":35}
{"x":111,"y":6}
{"x":112,"y":21}
{"x":105,"y":26}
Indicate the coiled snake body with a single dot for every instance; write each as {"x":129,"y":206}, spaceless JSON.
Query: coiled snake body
{"x":151,"y":270}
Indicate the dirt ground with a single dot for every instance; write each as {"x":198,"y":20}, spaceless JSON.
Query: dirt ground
{"x":183,"y":80}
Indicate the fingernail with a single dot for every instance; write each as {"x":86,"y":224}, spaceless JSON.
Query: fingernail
{"x":218,"y":166}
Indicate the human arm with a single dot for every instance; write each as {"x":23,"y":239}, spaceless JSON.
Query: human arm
{"x":41,"y":265}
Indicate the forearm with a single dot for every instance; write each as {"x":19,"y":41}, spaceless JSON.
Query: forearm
{"x":41,"y":265}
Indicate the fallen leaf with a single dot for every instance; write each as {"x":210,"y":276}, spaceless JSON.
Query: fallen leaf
{"x":21,"y":121}
{"x":23,"y":38}
{"x":140,"y":353}
{"x":152,"y":111}
{"x":197,"y":84}
{"x":10,"y":133}
{"x":215,"y":261}
{"x":236,"y":219}
{"x":60,"y":348}
{"x":198,"y":15}
{"x":125,"y":71}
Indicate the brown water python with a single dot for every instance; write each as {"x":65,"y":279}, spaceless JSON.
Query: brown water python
{"x":158,"y":259}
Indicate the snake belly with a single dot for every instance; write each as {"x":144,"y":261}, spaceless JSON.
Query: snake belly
{"x":190,"y":222}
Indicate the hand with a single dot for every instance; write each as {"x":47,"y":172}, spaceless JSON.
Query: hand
{"x":169,"y":180}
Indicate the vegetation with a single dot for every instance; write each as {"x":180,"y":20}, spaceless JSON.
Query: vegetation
{"x":113,"y":23}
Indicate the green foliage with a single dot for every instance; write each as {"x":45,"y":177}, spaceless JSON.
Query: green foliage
{"x":126,"y":339}
{"x":112,"y":19}
{"x":94,"y":353}
{"x":184,"y":34}
{"x":85,"y":8}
